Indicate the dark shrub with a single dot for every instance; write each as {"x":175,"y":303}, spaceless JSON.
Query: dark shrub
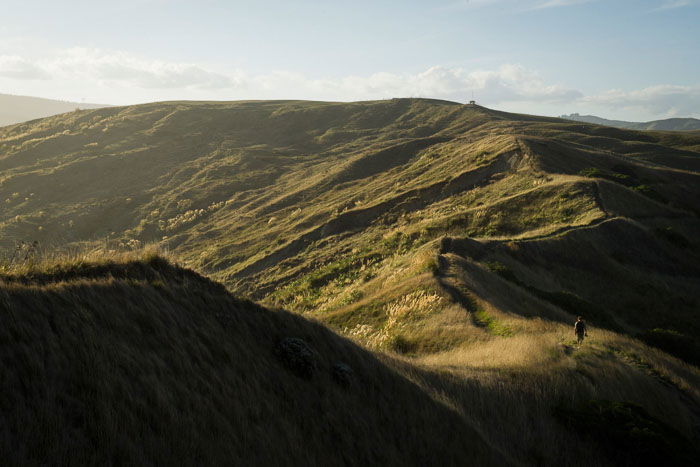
{"x":297,"y":356}
{"x":342,"y":374}
{"x":401,"y":344}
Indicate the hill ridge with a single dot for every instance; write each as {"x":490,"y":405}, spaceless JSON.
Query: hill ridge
{"x":668,"y":124}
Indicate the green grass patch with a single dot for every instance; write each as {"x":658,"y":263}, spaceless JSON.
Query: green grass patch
{"x":626,"y":179}
{"x":401,"y":243}
{"x":650,"y":192}
{"x":595,"y":172}
{"x":485,"y":320}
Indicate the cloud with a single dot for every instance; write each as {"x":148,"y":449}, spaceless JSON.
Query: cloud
{"x":126,"y":69}
{"x":12,"y":66}
{"x":519,"y":5}
{"x":119,"y":77}
{"x":673,"y":4}
{"x":113,"y":68}
{"x":662,"y":100}
{"x":507,"y":83}
{"x":559,"y":3}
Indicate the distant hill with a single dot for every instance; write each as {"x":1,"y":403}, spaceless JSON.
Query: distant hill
{"x":455,"y":243}
{"x":16,"y":109}
{"x":669,"y":124}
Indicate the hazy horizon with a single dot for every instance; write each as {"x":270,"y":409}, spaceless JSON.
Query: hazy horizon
{"x":546,"y":57}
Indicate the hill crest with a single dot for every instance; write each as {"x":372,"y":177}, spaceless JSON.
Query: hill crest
{"x":668,"y":124}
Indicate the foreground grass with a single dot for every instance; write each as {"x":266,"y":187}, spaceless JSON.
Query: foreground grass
{"x":132,"y":360}
{"x":126,"y":358}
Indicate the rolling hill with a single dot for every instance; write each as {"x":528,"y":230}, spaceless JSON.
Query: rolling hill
{"x":461,"y":240}
{"x":16,"y":109}
{"x":668,"y":124}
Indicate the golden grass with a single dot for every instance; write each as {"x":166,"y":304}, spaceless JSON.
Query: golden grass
{"x":44,"y":261}
{"x":509,"y":387}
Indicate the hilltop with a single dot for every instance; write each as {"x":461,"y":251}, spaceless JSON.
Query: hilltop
{"x":461,"y":240}
{"x":668,"y":124}
{"x":16,"y":109}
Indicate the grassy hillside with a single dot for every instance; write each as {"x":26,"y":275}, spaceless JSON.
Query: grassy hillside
{"x":460,"y":240}
{"x":301,"y":204}
{"x":129,"y":359}
{"x":134,"y":361}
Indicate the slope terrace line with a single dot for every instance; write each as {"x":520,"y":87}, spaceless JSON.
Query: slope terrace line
{"x":614,"y":155}
{"x":360,"y":218}
{"x":595,"y":194}
{"x":363,"y":166}
{"x":560,"y":231}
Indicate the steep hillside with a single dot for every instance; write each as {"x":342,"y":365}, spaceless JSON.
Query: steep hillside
{"x":668,"y":124}
{"x":16,"y":109}
{"x":139,"y":362}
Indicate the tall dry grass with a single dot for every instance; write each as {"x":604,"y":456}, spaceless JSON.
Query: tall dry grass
{"x":127,"y":359}
{"x":511,"y":387}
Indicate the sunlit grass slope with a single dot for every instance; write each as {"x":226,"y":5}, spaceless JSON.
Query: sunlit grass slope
{"x":281,"y":199}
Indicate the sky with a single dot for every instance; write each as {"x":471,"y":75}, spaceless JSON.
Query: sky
{"x":634,"y":60}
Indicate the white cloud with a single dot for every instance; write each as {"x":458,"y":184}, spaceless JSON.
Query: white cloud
{"x":12,"y":66}
{"x":673,"y":4}
{"x":508,"y":83}
{"x":113,"y":67}
{"x":119,"y":69}
{"x":127,"y":69}
{"x":663,"y":100}
{"x":122,"y":78}
{"x":516,"y":5}
{"x":559,"y":3}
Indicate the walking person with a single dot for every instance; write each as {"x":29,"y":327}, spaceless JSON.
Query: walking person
{"x":580,"y":330}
